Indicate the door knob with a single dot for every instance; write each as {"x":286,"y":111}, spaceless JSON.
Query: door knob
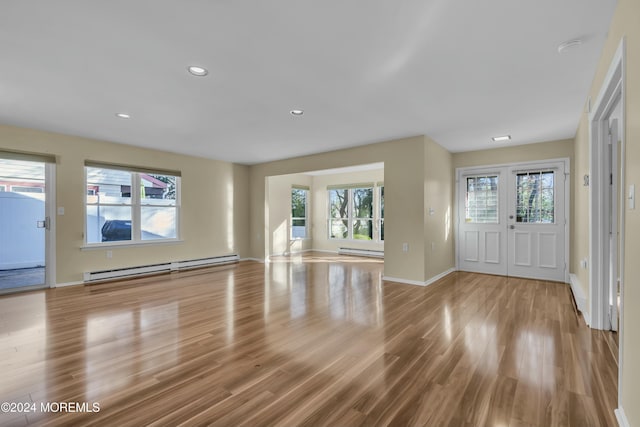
{"x":513,"y":227}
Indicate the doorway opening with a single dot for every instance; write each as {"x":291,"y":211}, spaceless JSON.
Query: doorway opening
{"x":25,"y":224}
{"x":607,"y":200}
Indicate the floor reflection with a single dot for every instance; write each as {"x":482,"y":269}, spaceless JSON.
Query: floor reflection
{"x":23,"y":342}
{"x":294,"y":342}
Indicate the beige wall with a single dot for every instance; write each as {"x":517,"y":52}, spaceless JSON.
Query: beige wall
{"x":515,"y":154}
{"x":320,"y":209}
{"x":214,"y":211}
{"x":625,"y":23}
{"x":404,"y":178}
{"x":439,"y":206}
{"x":279,"y":214}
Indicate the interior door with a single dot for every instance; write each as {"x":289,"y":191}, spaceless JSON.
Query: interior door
{"x":482,"y":233}
{"x":537,"y":222}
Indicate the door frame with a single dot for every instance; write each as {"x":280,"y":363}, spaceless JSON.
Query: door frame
{"x":50,"y":219}
{"x":460,"y":171}
{"x":50,"y":233}
{"x":612,"y":87}
{"x":612,"y":90}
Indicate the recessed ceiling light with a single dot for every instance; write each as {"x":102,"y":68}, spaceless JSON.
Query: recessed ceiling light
{"x":571,"y":44}
{"x":123,"y":116}
{"x":197,"y":71}
{"x":501,"y":138}
{"x":296,"y":112}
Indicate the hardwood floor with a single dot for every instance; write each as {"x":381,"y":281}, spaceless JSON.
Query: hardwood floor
{"x":308,"y":341}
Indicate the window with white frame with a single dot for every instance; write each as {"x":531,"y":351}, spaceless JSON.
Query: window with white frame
{"x":354,"y":210}
{"x":115,"y":213}
{"x":299,"y":212}
{"x":481,"y":200}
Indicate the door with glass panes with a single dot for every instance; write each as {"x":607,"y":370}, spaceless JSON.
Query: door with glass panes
{"x":512,"y":221}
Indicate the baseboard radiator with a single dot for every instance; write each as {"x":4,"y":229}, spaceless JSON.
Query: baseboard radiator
{"x":118,"y":273}
{"x":361,"y":252}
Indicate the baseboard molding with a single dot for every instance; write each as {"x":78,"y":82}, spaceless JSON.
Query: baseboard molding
{"x":579,"y":296}
{"x":64,"y":285}
{"x":361,"y":252}
{"x":405,"y":281}
{"x":417,"y":282}
{"x":439,"y":276}
{"x":622,"y":418}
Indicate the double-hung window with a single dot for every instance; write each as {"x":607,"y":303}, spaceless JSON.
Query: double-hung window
{"x":299,"y":212}
{"x":356,"y":212}
{"x":130,"y":205}
{"x":362,"y":213}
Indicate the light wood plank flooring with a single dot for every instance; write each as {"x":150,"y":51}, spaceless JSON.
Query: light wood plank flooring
{"x":308,"y":341}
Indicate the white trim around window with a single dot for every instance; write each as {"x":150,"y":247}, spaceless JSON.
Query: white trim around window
{"x":130,"y":207}
{"x":345,"y":196}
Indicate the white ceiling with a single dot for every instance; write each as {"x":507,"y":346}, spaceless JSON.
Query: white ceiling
{"x":364,"y":71}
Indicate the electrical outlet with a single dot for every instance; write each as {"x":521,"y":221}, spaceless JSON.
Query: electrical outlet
{"x":405,"y":247}
{"x":109,"y":254}
{"x":433,"y":246}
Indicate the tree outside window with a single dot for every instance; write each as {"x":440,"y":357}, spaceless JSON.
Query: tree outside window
{"x":353,"y":212}
{"x":363,"y":213}
{"x":299,"y":207}
{"x":339,"y":214}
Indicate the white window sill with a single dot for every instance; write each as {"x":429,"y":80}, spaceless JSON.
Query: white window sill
{"x":129,"y":244}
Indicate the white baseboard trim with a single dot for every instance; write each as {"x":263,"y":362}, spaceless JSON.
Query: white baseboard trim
{"x":581,"y":299}
{"x":63,"y":285}
{"x":406,"y":281}
{"x":417,"y":282}
{"x":622,"y":418}
{"x":439,"y":276}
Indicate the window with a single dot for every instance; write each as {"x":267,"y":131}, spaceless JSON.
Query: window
{"x":115,"y":213}
{"x":299,"y":212}
{"x":481,"y":202}
{"x":3,"y":188}
{"x":534,"y":197}
{"x":339,"y":214}
{"x":362,"y":213}
{"x":353,"y":212}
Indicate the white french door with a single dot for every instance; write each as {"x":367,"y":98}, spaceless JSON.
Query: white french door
{"x":512,"y":220}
